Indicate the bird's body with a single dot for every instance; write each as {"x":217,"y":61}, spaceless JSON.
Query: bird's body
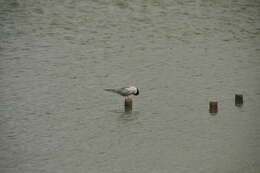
{"x":126,"y":91}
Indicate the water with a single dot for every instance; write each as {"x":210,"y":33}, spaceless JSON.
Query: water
{"x":58,"y":56}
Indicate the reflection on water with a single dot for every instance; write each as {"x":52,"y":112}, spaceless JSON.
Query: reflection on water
{"x":126,"y":116}
{"x":58,"y":56}
{"x":129,"y":116}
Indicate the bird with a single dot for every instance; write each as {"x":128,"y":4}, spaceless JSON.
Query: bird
{"x":126,"y":92}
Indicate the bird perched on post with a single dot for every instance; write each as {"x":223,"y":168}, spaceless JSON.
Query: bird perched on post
{"x":126,"y":91}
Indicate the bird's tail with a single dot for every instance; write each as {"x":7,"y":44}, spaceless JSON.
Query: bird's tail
{"x":111,"y":90}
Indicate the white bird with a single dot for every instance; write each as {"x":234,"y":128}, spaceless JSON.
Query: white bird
{"x":126,"y":91}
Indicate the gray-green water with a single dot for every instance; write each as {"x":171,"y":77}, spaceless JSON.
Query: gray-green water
{"x":56,"y":57}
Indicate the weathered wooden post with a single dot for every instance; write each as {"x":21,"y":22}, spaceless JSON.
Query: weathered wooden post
{"x":213,"y":107}
{"x":239,"y":100}
{"x":128,"y":104}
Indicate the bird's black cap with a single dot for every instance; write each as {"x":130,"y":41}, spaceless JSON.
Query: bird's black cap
{"x":137,"y":92}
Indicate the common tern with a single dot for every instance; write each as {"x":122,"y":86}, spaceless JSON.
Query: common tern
{"x":126,"y":91}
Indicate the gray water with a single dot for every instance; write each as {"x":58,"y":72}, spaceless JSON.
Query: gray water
{"x":56,"y":57}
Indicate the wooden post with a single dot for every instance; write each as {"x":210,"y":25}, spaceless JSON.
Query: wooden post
{"x":239,"y":100}
{"x":213,"y":107}
{"x":128,"y":104}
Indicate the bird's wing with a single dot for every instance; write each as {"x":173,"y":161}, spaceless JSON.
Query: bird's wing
{"x":124,"y":91}
{"x":120,"y":91}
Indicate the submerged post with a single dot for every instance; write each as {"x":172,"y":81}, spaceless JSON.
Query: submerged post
{"x":128,"y":104}
{"x":239,"y":100}
{"x":213,"y":107}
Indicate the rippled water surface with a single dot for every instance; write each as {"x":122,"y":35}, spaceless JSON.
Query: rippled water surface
{"x":56,"y":57}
